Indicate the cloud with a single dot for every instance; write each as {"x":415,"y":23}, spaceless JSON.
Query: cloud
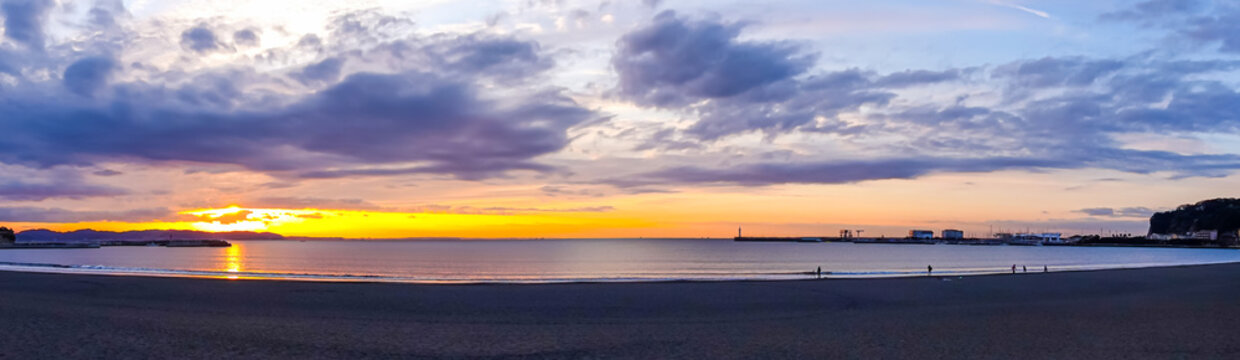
{"x":1152,"y":9}
{"x":503,"y":210}
{"x":323,"y":72}
{"x":1222,"y":27}
{"x":89,"y":75}
{"x":200,"y":39}
{"x":1205,"y":22}
{"x":24,"y":20}
{"x":230,"y":218}
{"x":298,"y":203}
{"x":505,"y":60}
{"x":438,"y":112}
{"x":246,"y":37}
{"x":733,"y":86}
{"x":840,"y":172}
{"x":918,"y":77}
{"x":674,"y":61}
{"x":559,"y":190}
{"x":68,"y":188}
{"x":529,"y":209}
{"x":58,"y":215}
{"x":1134,"y":212}
{"x":827,"y":172}
{"x":1054,"y":113}
{"x":1052,"y":71}
{"x":499,"y":57}
{"x":103,"y":13}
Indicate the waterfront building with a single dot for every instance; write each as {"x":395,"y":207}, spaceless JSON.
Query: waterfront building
{"x":1039,"y":237}
{"x":920,"y":234}
{"x":953,"y":234}
{"x":1211,"y":235}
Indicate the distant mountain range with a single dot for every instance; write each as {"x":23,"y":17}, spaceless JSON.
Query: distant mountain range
{"x":1215,"y":214}
{"x":39,"y":235}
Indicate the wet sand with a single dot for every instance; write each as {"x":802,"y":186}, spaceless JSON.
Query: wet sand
{"x":1160,"y":313}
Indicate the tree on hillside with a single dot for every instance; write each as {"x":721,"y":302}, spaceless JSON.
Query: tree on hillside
{"x":7,"y":235}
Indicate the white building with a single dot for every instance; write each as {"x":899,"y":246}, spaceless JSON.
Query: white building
{"x":1211,"y":235}
{"x":1041,"y":237}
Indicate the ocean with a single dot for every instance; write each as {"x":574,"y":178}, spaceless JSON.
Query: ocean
{"x":586,"y":260}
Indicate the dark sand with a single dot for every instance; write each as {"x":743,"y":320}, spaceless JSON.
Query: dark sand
{"x":1183,"y":312}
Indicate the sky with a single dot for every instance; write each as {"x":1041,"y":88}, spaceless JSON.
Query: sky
{"x":645,"y":118}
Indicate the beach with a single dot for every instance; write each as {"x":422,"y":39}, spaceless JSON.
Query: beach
{"x":1188,"y":311}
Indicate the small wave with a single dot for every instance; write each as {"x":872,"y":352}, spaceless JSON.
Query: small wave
{"x":528,"y":279}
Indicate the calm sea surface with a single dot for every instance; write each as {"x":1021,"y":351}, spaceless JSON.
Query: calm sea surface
{"x":585,"y":260}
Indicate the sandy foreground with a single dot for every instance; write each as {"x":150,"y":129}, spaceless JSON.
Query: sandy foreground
{"x":1179,"y":312}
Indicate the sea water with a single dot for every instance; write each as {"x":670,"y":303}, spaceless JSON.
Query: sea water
{"x":470,"y":261}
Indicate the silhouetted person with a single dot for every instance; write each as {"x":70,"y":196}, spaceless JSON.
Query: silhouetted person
{"x":1013,"y":268}
{"x":819,"y":272}
{"x":1024,"y":268}
{"x":1044,"y":269}
{"x":929,"y":269}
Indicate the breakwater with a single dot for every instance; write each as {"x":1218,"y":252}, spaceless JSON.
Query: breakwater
{"x":1105,"y":242}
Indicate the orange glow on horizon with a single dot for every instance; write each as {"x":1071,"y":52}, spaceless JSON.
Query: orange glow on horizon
{"x":888,"y":207}
{"x":378,"y":224}
{"x":236,"y":218}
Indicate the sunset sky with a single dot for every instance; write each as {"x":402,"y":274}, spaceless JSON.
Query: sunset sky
{"x":562,"y":118}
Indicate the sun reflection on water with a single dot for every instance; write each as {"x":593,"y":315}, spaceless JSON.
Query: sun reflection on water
{"x":232,"y":260}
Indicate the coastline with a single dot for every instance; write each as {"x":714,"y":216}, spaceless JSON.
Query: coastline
{"x":96,"y":270}
{"x":1138,"y":313}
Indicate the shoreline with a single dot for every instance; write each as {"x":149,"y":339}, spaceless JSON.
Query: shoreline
{"x":95,"y":270}
{"x":1185,"y":311}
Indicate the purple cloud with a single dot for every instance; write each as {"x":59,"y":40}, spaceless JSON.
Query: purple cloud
{"x":312,"y":203}
{"x":88,"y":75}
{"x":58,"y":215}
{"x":70,"y":188}
{"x":674,"y":61}
{"x":200,"y":39}
{"x":840,"y":172}
{"x":246,"y":37}
{"x":1204,"y":22}
{"x":435,"y":119}
{"x":24,"y":20}
{"x":734,"y":86}
{"x":323,"y":72}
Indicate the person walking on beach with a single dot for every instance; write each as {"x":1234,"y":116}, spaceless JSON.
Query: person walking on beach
{"x":1013,"y":268}
{"x":1044,"y":269}
{"x":1024,"y":268}
{"x":929,"y":270}
{"x":819,"y":272}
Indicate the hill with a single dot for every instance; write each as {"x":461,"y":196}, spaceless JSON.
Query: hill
{"x":41,"y":235}
{"x":1215,"y":214}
